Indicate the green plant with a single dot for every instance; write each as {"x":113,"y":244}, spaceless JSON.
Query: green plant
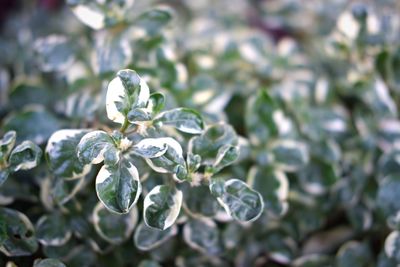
{"x":200,"y":133}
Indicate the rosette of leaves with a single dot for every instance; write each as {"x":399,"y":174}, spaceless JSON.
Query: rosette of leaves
{"x":143,"y":133}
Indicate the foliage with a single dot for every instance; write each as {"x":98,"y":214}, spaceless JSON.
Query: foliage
{"x":200,"y":133}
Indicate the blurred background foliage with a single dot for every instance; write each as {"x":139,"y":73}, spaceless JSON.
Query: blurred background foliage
{"x":311,"y":87}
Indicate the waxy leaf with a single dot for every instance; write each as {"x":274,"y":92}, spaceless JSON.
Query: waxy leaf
{"x":240,"y":201}
{"x":20,"y":239}
{"x":114,"y":228}
{"x":289,"y":155}
{"x":211,"y":140}
{"x":96,"y":146}
{"x":202,"y":235}
{"x":25,"y":156}
{"x":183,"y":119}
{"x":125,"y":92}
{"x":118,"y":187}
{"x":150,"y":147}
{"x":48,"y":263}
{"x":154,"y":20}
{"x":172,"y":161}
{"x":273,"y":185}
{"x":392,"y":246}
{"x":62,"y":157}
{"x":54,"y":53}
{"x":226,"y":156}
{"x":147,"y":238}
{"x":161,"y":207}
{"x":6,"y":144}
{"x":51,"y":230}
{"x":156,"y":102}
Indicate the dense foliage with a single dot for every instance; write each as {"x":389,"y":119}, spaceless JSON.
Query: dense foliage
{"x":200,"y":133}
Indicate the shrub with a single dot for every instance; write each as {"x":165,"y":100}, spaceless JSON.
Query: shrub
{"x":200,"y":133}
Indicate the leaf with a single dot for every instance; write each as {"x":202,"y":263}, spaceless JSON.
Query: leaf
{"x":25,"y":156}
{"x":112,"y":52}
{"x":96,"y":146}
{"x":392,"y":246}
{"x":172,"y":161}
{"x":226,"y":156}
{"x":62,"y":157}
{"x":183,"y":119}
{"x":114,"y":228}
{"x":239,"y":201}
{"x":6,"y":144}
{"x":154,"y":20}
{"x":149,"y":263}
{"x":200,"y":201}
{"x":20,"y":239}
{"x":125,"y":92}
{"x":147,"y":238}
{"x":32,"y":123}
{"x":118,"y":187}
{"x":156,"y":102}
{"x":48,"y":263}
{"x":273,"y":185}
{"x":54,"y":53}
{"x":202,"y":234}
{"x":161,"y":207}
{"x":260,"y":117}
{"x":387,"y":196}
{"x":353,"y":253}
{"x":150,"y":147}
{"x":289,"y":155}
{"x":4,"y":175}
{"x":211,"y":140}
{"x":51,"y":230}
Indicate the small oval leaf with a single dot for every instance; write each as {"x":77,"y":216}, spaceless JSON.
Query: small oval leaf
{"x":96,"y":146}
{"x":25,"y":156}
{"x":183,"y":119}
{"x":147,"y":238}
{"x":161,"y":206}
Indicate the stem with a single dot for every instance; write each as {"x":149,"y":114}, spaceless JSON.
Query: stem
{"x":124,"y":126}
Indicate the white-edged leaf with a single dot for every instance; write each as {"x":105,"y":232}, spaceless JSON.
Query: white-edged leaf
{"x":61,"y":154}
{"x":183,"y":119}
{"x":25,"y":156}
{"x":96,"y":146}
{"x":147,"y":238}
{"x":125,"y":92}
{"x":118,"y":187}
{"x":162,"y":206}
{"x":202,"y":235}
{"x":150,"y":147}
{"x":52,"y":230}
{"x":114,"y":228}
{"x":240,"y":201}
{"x":7,"y":143}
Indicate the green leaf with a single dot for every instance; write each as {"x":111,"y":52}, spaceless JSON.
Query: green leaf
{"x":48,"y":263}
{"x":4,"y":175}
{"x":125,"y":92}
{"x":211,"y":140}
{"x":239,"y":201}
{"x":289,"y":155}
{"x":202,"y":234}
{"x":114,"y":228}
{"x":138,"y":115}
{"x":51,"y":230}
{"x":183,"y":119}
{"x":147,"y":238}
{"x":32,"y":123}
{"x":261,"y":118}
{"x":54,"y":53}
{"x":20,"y":239}
{"x":172,"y":161}
{"x":199,"y":201}
{"x":25,"y":156}
{"x":62,"y":157}
{"x":313,"y":260}
{"x":156,"y":102}
{"x":96,"y":146}
{"x":226,"y":156}
{"x":6,"y":144}
{"x":273,"y":185}
{"x":149,"y":263}
{"x":154,"y":20}
{"x":392,"y":246}
{"x":150,"y":147}
{"x":387,"y":196}
{"x":118,"y":187}
{"x":161,"y":207}
{"x":353,"y":253}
